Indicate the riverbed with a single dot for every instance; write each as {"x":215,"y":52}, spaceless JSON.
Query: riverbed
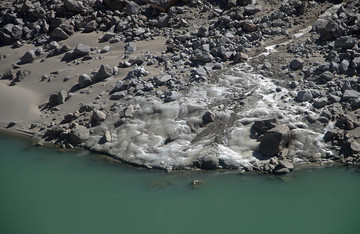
{"x":49,"y":191}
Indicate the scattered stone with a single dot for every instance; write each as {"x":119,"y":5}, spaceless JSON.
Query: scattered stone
{"x":72,"y":5}
{"x":320,"y":102}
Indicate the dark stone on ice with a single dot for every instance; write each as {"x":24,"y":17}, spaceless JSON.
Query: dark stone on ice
{"x":274,"y":140}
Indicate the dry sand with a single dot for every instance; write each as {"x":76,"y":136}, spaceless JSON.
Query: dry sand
{"x":23,"y":102}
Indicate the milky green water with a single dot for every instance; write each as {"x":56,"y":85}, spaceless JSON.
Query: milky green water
{"x":46,"y":191}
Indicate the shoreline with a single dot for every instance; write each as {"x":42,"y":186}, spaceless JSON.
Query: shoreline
{"x":197,"y":86}
{"x":103,"y":156}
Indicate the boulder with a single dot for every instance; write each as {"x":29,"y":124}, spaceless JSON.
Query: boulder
{"x":104,"y":72}
{"x":81,"y":50}
{"x":59,"y":33}
{"x":346,"y":42}
{"x":106,"y":137}
{"x":252,"y":9}
{"x":118,"y":95}
{"x":304,"y":95}
{"x":28,"y":57}
{"x":74,"y":6}
{"x":79,"y":134}
{"x":105,"y":49}
{"x":284,"y":167}
{"x":208,"y":117}
{"x":61,"y":97}
{"x":350,"y":94}
{"x":296,"y":63}
{"x":209,"y":162}
{"x":116,"y":4}
{"x":57,"y":98}
{"x":320,"y":102}
{"x":132,"y":8}
{"x":84,"y":80}
{"x":274,"y":140}
{"x":240,"y":57}
{"x":161,"y":5}
{"x":130,"y":48}
{"x":99,"y":116}
{"x":91,"y":26}
{"x":249,"y":27}
{"x":264,"y":125}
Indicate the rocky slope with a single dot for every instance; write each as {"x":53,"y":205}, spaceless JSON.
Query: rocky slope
{"x":248,"y":85}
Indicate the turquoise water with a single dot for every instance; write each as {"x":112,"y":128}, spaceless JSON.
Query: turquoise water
{"x":47,"y":191}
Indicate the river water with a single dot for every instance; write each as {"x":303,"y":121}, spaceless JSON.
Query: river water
{"x":47,"y":191}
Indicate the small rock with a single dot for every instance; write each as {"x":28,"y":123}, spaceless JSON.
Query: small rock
{"x":132,"y":8}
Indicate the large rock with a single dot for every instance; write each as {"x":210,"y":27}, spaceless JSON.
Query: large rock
{"x":104,"y":72}
{"x":84,"y":80}
{"x":296,"y":64}
{"x":57,"y":98}
{"x":304,"y":95}
{"x":346,"y":42}
{"x":82,"y":50}
{"x":274,"y":140}
{"x":59,"y":33}
{"x":204,"y":57}
{"x":161,"y":5}
{"x":28,"y":57}
{"x":72,"y":5}
{"x":116,"y":4}
{"x":253,"y":9}
{"x":79,"y":134}
{"x":99,"y":116}
{"x":132,"y":8}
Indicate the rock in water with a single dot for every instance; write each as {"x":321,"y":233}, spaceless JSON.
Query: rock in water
{"x":79,"y":134}
{"x":274,"y":140}
{"x":28,"y":57}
